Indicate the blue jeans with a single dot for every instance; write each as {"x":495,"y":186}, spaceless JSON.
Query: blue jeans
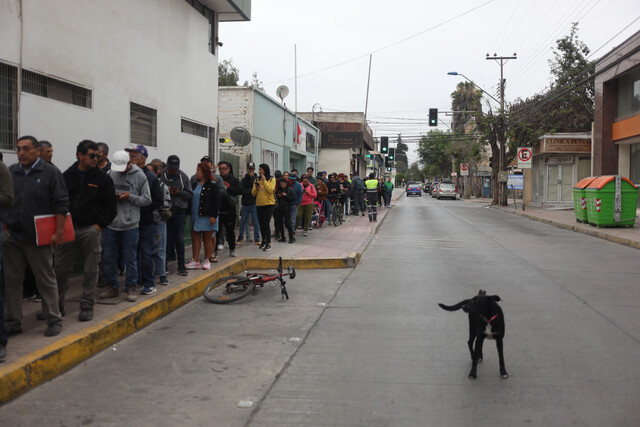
{"x":327,"y":207}
{"x":346,"y":205}
{"x":112,"y":241}
{"x":249,"y":211}
{"x":294,"y":213}
{"x":160,"y":248}
{"x":145,"y":255}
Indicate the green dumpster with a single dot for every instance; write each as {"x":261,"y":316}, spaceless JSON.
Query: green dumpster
{"x":611,"y":201}
{"x":580,"y":198}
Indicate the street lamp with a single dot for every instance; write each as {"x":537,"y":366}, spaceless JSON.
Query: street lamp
{"x":454,"y":73}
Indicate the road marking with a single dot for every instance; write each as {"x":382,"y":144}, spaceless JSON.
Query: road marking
{"x":459,"y":217}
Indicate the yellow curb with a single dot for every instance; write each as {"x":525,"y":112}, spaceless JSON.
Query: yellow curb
{"x":41,"y":365}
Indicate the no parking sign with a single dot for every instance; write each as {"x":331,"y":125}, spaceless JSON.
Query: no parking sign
{"x":525,"y":157}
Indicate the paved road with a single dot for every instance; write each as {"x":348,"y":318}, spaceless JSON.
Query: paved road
{"x":381,"y":353}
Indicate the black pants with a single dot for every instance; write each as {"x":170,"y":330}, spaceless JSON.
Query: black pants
{"x":264,"y":218}
{"x":175,"y":234}
{"x":282,"y":219}
{"x":228,"y":221}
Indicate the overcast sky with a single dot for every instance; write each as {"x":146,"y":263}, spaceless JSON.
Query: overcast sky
{"x":414,"y":44}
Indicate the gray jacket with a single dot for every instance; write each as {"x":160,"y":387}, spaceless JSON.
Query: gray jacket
{"x":136,"y":184}
{"x":40,"y":192}
{"x":180,"y":181}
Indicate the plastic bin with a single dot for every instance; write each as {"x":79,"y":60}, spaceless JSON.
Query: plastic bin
{"x":580,"y":198}
{"x":611,"y":201}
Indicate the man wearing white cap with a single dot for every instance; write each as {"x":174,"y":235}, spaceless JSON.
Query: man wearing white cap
{"x":132,"y":191}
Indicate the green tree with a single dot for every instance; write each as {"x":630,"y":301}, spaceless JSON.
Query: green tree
{"x":228,"y":74}
{"x":465,"y":103}
{"x":255,"y":82}
{"x":433,"y":152}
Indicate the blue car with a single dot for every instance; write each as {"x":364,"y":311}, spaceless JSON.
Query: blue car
{"x":414,"y":190}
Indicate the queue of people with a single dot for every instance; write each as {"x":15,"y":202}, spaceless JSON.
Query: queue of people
{"x":129,"y":214}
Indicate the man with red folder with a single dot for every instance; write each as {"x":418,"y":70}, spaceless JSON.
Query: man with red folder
{"x":39,"y":189}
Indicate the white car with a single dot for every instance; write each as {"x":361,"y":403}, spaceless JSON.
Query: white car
{"x":446,"y":190}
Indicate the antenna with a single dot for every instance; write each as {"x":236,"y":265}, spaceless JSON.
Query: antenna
{"x":282,"y":92}
{"x":240,"y":136}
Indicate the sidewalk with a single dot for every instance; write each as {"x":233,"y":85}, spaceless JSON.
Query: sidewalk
{"x":565,"y":218}
{"x":33,"y":358}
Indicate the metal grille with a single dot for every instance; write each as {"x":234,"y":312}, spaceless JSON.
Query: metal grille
{"x":271,"y":159}
{"x":144,"y":124}
{"x":193,"y":128}
{"x":8,"y":107}
{"x":51,"y":88}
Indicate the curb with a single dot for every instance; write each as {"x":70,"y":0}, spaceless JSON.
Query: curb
{"x":46,"y":363}
{"x":578,"y":229}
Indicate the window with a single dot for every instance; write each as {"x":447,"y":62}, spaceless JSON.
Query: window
{"x":8,"y":107}
{"x":629,"y":94}
{"x":311,"y":142}
{"x":271,"y":159}
{"x":51,"y":88}
{"x":193,"y":128}
{"x":144,"y":123}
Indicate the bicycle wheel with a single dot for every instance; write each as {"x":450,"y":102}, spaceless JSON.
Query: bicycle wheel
{"x":341,"y":213}
{"x":228,"y":289}
{"x":334,"y":215}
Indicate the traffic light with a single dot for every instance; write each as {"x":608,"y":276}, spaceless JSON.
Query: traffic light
{"x":392,"y":154}
{"x":386,"y":161}
{"x":384,"y":144}
{"x":433,"y":117}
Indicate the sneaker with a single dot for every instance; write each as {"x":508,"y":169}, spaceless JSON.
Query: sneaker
{"x":305,"y":234}
{"x":267,"y":247}
{"x":182,"y":271}
{"x":86,"y":314}
{"x":149,"y":291}
{"x":164,"y":281}
{"x":53,"y":330}
{"x":220,"y":247}
{"x":232,"y":253}
{"x":139,"y":287}
{"x":282,"y":239}
{"x":240,"y":241}
{"x":110,"y":292}
{"x":192,"y":265}
{"x":257,"y":242}
{"x":362,"y":213}
{"x":132,"y":294}
{"x":206,"y":265}
{"x":292,"y":240}
{"x":262,"y":245}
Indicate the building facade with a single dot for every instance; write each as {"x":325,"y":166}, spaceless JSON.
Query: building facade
{"x":345,"y":143}
{"x":279,"y":138}
{"x":121,"y":72}
{"x":616,"y":148}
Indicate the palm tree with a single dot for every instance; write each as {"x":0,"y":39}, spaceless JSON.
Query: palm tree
{"x":465,"y":98}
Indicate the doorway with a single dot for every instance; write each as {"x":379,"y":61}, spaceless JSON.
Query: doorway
{"x":560,"y":183}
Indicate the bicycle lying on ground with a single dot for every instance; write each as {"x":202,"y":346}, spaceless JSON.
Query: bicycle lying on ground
{"x":233,"y":288}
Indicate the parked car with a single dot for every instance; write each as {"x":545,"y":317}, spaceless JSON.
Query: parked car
{"x":446,"y":190}
{"x":426,"y":187}
{"x":414,"y":189}
{"x":434,"y":189}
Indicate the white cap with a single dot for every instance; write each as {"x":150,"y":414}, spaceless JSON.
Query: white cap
{"x":119,"y":161}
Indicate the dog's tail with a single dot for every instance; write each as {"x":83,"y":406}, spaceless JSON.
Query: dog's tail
{"x":456,"y":307}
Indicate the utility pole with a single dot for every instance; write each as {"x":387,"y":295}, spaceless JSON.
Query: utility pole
{"x":501,"y":166}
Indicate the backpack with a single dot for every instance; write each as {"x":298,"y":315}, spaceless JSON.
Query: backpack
{"x":164,"y":211}
{"x":358,"y":184}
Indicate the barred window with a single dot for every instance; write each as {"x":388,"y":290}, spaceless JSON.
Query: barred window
{"x":193,"y":128}
{"x":51,"y":88}
{"x":8,"y":107}
{"x":144,"y":124}
{"x":270,"y":158}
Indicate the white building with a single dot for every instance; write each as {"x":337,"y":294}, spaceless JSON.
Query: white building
{"x":120,"y":71}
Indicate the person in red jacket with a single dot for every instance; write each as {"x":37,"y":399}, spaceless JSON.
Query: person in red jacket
{"x":305,"y":209}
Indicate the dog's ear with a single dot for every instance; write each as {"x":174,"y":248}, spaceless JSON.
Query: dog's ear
{"x":496,"y":298}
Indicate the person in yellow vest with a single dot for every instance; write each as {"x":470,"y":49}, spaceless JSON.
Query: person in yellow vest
{"x":372,"y":185}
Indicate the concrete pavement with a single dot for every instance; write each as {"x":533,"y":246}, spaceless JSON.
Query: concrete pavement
{"x":33,"y":359}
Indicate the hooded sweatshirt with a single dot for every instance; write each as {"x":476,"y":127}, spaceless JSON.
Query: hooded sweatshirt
{"x":135,"y":183}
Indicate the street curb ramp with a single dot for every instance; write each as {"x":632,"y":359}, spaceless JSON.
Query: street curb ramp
{"x":44,"y":364}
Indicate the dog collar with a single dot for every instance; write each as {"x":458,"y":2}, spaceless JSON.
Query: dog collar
{"x":490,"y":320}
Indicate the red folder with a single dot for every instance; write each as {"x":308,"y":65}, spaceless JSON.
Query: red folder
{"x":46,"y":228}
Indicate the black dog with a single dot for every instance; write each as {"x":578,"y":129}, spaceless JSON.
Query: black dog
{"x":485,"y":321}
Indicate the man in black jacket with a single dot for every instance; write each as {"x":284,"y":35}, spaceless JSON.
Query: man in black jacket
{"x":228,"y":203}
{"x":92,"y":203}
{"x":146,"y":228}
{"x":249,"y":206}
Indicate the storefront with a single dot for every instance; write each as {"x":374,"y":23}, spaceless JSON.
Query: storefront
{"x":559,"y":161}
